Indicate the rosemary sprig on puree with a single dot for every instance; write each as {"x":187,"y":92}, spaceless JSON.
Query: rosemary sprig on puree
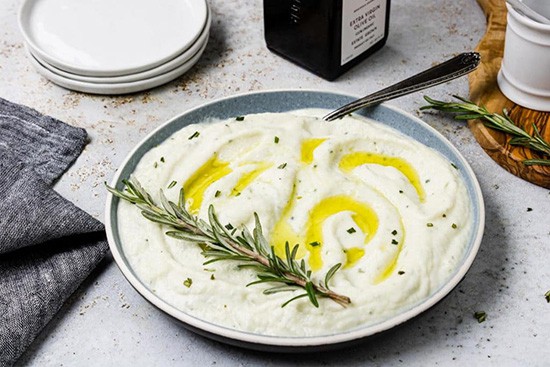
{"x":224,"y":242}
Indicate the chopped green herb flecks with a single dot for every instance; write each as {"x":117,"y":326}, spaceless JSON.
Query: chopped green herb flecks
{"x":195,"y":135}
{"x":172,"y":184}
{"x":394,"y":232}
{"x":314,"y":244}
{"x":162,"y":159}
{"x":429,"y":224}
{"x":529,"y":209}
{"x":218,"y":193}
{"x":212,"y":277}
{"x":454,"y":166}
{"x":547,"y":296}
{"x":188,"y":282}
{"x":400,"y":272}
{"x":454,"y":226}
{"x":239,"y":118}
{"x":282,"y":166}
{"x":229,"y":226}
{"x":400,"y":191}
{"x":444,"y":215}
{"x":276,"y":140}
{"x":394,"y":242}
{"x":481,"y":316}
{"x":351,"y":230}
{"x":155,"y":165}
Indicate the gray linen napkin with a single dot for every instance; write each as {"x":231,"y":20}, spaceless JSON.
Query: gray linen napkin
{"x":48,"y":246}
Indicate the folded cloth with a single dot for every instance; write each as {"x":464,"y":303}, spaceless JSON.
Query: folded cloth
{"x":48,"y":246}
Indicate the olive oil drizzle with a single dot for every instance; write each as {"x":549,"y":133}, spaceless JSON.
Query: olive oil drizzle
{"x":195,"y":187}
{"x":363,"y":216}
{"x":311,"y":240}
{"x":247,"y":178}
{"x":356,"y":159}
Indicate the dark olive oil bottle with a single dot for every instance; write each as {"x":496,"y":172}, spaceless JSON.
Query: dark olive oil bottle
{"x":326,"y":37}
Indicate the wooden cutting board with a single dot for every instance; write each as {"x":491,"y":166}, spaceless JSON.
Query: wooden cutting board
{"x":484,"y":90}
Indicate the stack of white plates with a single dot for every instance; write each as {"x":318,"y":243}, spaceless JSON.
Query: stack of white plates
{"x":114,"y":47}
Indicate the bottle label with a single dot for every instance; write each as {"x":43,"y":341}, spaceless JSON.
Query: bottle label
{"x":363,"y":25}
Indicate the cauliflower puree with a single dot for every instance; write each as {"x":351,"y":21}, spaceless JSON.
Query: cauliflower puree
{"x":392,"y":211}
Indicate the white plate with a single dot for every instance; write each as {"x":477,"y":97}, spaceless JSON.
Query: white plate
{"x":281,"y":101}
{"x":110,"y":38}
{"x":161,"y":69}
{"x":116,"y":88}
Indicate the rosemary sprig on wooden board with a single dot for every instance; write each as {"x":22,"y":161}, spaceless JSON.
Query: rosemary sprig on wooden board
{"x":467,"y":110}
{"x":224,"y":242}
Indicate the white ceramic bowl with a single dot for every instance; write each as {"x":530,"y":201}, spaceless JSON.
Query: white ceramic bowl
{"x":524,"y":76}
{"x":110,"y":38}
{"x":280,"y":101}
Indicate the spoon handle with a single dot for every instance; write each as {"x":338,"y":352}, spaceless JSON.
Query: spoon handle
{"x":448,"y":70}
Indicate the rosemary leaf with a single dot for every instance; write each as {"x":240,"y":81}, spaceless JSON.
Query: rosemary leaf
{"x":331,"y":273}
{"x":282,"y":288}
{"x":288,"y":255}
{"x":222,"y":257}
{"x":292,"y":259}
{"x":294,"y":299}
{"x":311,"y":294}
{"x":187,"y":236}
{"x":156,"y":218}
{"x":539,"y":162}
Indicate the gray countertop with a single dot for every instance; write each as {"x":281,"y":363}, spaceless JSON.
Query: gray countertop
{"x":107,"y":323}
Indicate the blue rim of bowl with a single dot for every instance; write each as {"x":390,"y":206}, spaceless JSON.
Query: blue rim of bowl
{"x":316,"y":99}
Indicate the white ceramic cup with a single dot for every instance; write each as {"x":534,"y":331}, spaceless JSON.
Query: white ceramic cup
{"x":540,"y":6}
{"x":524,"y":76}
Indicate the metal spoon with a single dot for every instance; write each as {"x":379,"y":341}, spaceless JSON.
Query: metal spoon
{"x":448,"y":70}
{"x":524,"y":9}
